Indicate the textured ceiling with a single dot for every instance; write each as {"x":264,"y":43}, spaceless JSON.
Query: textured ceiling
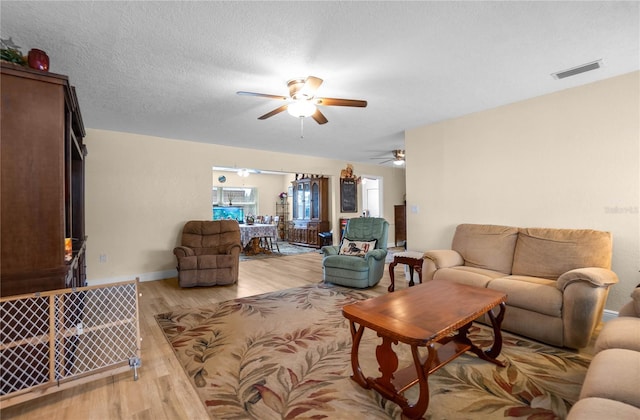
{"x":171,"y":69}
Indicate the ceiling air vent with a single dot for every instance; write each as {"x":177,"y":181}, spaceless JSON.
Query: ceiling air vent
{"x":577,"y":70}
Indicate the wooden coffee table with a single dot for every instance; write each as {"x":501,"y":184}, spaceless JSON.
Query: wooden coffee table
{"x":436,"y":315}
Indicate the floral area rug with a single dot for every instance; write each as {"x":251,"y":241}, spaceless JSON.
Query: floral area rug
{"x":286,"y":354}
{"x":283,"y":249}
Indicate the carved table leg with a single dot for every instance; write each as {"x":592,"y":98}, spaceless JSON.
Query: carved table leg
{"x":416,"y":410}
{"x":488,"y":355}
{"x":411,"y":283}
{"x":496,"y":322}
{"x":418,"y":268}
{"x":392,"y":275}
{"x":356,"y":336}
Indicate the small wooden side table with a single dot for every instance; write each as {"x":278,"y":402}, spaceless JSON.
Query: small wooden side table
{"x":411,"y":258}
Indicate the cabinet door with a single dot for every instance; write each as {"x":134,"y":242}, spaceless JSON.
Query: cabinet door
{"x":312,"y":234}
{"x":315,"y":199}
{"x":298,"y":202}
{"x":307,"y":201}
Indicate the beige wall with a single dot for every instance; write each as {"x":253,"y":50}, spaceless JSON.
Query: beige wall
{"x":567,"y":160}
{"x":140,"y":191}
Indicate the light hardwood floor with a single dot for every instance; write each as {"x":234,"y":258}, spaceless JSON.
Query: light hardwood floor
{"x":163,"y":390}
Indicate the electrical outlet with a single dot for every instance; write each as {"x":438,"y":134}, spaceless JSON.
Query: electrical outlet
{"x":103,"y":258}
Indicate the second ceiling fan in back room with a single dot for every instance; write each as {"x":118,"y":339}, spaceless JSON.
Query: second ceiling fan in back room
{"x":302,"y":101}
{"x":397,"y":159}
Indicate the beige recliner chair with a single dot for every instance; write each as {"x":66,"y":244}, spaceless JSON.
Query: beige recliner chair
{"x":209,"y":254}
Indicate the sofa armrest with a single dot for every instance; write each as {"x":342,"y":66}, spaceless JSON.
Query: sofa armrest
{"x":377,"y":254}
{"x":597,"y":277}
{"x":443,"y":258}
{"x":183,"y":251}
{"x":584,"y":293}
{"x":440,"y":258}
{"x":330,"y":250}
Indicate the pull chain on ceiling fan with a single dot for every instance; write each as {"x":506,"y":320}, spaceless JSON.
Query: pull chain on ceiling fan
{"x":302,"y":100}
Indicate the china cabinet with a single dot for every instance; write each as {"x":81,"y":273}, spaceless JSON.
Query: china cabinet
{"x":310,"y":211}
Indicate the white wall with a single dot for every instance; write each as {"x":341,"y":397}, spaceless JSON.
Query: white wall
{"x":140,"y":190}
{"x":566,"y":160}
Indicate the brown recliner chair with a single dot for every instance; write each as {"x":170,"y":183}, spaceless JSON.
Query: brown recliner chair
{"x":209,"y":254}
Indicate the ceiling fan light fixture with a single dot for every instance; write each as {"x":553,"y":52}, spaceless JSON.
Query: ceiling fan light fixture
{"x":301,"y":108}
{"x":398,"y":162}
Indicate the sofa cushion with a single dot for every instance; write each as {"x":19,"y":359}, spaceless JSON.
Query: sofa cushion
{"x":548,"y":253}
{"x":207,"y":262}
{"x":613,"y":374}
{"x":601,"y":408}
{"x":471,"y":276}
{"x":620,"y":333}
{"x":520,"y":291}
{"x":486,"y":246}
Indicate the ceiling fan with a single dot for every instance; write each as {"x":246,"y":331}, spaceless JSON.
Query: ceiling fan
{"x":302,"y":101}
{"x":398,"y":157}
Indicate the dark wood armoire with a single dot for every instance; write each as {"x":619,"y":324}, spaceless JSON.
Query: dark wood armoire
{"x":310,"y":211}
{"x":42,"y":182}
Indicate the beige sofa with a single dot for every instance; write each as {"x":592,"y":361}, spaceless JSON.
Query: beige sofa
{"x":611,"y":389}
{"x":557,"y":280}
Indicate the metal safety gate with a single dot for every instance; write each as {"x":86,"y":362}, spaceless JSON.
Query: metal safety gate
{"x":58,"y":339}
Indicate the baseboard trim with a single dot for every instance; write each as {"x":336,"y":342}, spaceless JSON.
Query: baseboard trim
{"x":155,"y":275}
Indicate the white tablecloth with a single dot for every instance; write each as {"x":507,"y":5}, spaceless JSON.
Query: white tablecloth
{"x":257,"y":231}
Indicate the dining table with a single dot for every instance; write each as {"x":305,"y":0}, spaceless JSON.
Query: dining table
{"x":250,"y":236}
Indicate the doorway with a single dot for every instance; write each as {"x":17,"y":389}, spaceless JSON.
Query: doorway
{"x":371,"y":196}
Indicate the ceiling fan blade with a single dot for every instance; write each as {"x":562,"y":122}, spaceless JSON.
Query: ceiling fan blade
{"x":263,"y":95}
{"x":341,"y":102}
{"x":319,"y":117}
{"x":274,"y":112}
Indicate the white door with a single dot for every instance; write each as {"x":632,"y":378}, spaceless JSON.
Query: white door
{"x":372,"y":202}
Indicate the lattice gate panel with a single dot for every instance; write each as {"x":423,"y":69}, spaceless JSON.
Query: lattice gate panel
{"x":57,"y":336}
{"x":24,"y":355}
{"x":94,"y":329}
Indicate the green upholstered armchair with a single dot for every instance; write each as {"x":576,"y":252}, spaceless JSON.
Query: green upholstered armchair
{"x":358,"y":271}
